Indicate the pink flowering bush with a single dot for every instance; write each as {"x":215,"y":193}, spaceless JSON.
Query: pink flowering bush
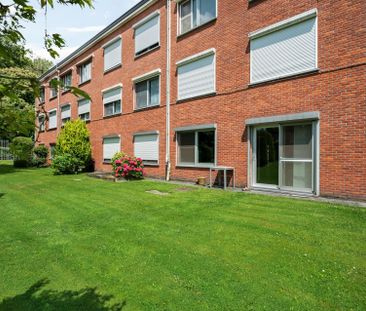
{"x":128,"y":167}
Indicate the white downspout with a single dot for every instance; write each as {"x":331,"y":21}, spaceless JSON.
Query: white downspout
{"x":167,"y":95}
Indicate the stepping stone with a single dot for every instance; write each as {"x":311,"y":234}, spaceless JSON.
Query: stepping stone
{"x":157,"y":192}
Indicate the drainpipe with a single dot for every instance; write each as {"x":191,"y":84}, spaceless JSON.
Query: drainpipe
{"x":167,"y":95}
{"x":58,"y":103}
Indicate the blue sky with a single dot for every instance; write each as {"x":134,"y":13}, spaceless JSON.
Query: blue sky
{"x":75,"y":25}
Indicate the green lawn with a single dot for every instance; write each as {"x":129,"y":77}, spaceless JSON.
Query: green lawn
{"x":77,"y":243}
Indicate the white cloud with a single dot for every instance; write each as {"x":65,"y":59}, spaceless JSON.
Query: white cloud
{"x":39,"y":51}
{"x":84,"y":29}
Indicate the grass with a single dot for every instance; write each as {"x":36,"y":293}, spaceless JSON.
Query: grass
{"x":77,"y":243}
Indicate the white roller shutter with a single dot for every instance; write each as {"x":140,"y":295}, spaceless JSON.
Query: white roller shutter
{"x":66,"y":112}
{"x":111,"y":145}
{"x":147,"y":35}
{"x":112,"y":95}
{"x":112,"y":54}
{"x":52,"y":123}
{"x":197,"y":77}
{"x":284,"y":52}
{"x":146,"y":147}
{"x":83,"y":106}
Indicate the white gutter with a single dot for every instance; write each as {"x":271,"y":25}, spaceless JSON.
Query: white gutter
{"x":97,"y":39}
{"x":168,"y":62}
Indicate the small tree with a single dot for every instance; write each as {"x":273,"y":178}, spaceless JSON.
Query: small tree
{"x":40,"y":156}
{"x":21,"y":148}
{"x":73,"y":144}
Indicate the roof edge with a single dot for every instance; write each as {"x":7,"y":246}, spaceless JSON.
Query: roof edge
{"x":125,"y":17}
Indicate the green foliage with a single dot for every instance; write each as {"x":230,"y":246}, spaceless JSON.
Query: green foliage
{"x":117,"y":156}
{"x":21,"y":148}
{"x":67,"y":164}
{"x":40,"y":156}
{"x":73,"y":141}
{"x":21,"y":163}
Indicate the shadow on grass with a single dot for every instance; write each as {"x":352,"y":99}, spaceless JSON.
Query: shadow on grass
{"x":38,"y":298}
{"x":7,"y":169}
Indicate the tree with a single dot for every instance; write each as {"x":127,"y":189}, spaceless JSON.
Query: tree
{"x":19,"y":85}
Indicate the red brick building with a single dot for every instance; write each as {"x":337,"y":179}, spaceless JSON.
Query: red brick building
{"x":273,"y":88}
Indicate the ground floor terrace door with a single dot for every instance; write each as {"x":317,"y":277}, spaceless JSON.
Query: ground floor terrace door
{"x":284,"y":157}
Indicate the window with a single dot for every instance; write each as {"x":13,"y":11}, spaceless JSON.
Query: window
{"x":196,"y":76}
{"x":85,"y":72}
{"x":196,"y":147}
{"x":65,"y":114}
{"x":112,"y":101}
{"x":147,"y":34}
{"x":53,"y":88}
{"x":111,"y":145}
{"x":66,"y":81}
{"x":84,"y":109}
{"x":41,"y":123}
{"x":52,"y":122}
{"x":193,"y":13}
{"x":113,"y":54}
{"x":147,"y":93}
{"x":42,"y":95}
{"x":146,"y":147}
{"x":52,"y":150}
{"x":284,"y":49}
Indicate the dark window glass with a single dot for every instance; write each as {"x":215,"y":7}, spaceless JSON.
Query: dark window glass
{"x":206,"y":147}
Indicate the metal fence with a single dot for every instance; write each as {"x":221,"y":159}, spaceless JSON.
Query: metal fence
{"x":4,"y":150}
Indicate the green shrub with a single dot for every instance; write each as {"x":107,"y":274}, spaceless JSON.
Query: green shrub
{"x":117,"y":156}
{"x":41,"y":151}
{"x":40,"y":154}
{"x":21,"y":148}
{"x":73,"y":150}
{"x":67,"y":164}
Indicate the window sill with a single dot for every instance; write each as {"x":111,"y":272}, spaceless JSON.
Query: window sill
{"x":112,"y":115}
{"x":146,"y":108}
{"x":65,"y":92}
{"x":52,"y":129}
{"x":195,"y":97}
{"x":52,"y":98}
{"x":195,"y":166}
{"x":107,"y":162}
{"x":182,"y":35}
{"x":85,"y":82}
{"x":147,"y":52}
{"x":284,"y":78}
{"x":112,"y":68}
{"x":151,"y":164}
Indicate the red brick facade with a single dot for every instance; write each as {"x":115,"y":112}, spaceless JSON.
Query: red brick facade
{"x":337,"y":91}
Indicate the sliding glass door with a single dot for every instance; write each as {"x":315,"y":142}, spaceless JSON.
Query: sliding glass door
{"x":283,"y":157}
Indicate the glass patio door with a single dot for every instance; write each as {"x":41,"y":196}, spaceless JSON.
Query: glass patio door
{"x":283,"y":157}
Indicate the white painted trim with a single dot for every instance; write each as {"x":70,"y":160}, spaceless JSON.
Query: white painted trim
{"x":119,"y":37}
{"x":144,"y":7}
{"x":283,"y":24}
{"x":84,"y":60}
{"x":147,"y":75}
{"x":146,"y":19}
{"x":196,"y":57}
{"x":112,"y":87}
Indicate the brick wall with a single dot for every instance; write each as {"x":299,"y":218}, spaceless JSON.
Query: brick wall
{"x":337,"y":91}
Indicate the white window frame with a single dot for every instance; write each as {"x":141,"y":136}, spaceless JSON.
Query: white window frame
{"x":145,"y":77}
{"x":64,"y":87}
{"x":192,"y":59}
{"x":119,"y":85}
{"x":109,"y":161}
{"x":62,"y":119}
{"x":279,"y":26}
{"x":149,"y":162}
{"x":42,"y":127}
{"x":114,"y":40}
{"x":53,"y":89}
{"x":49,"y":112}
{"x":80,"y":68}
{"x":90,"y":103}
{"x":179,"y":23}
{"x":196,"y":130}
{"x":142,"y":22}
